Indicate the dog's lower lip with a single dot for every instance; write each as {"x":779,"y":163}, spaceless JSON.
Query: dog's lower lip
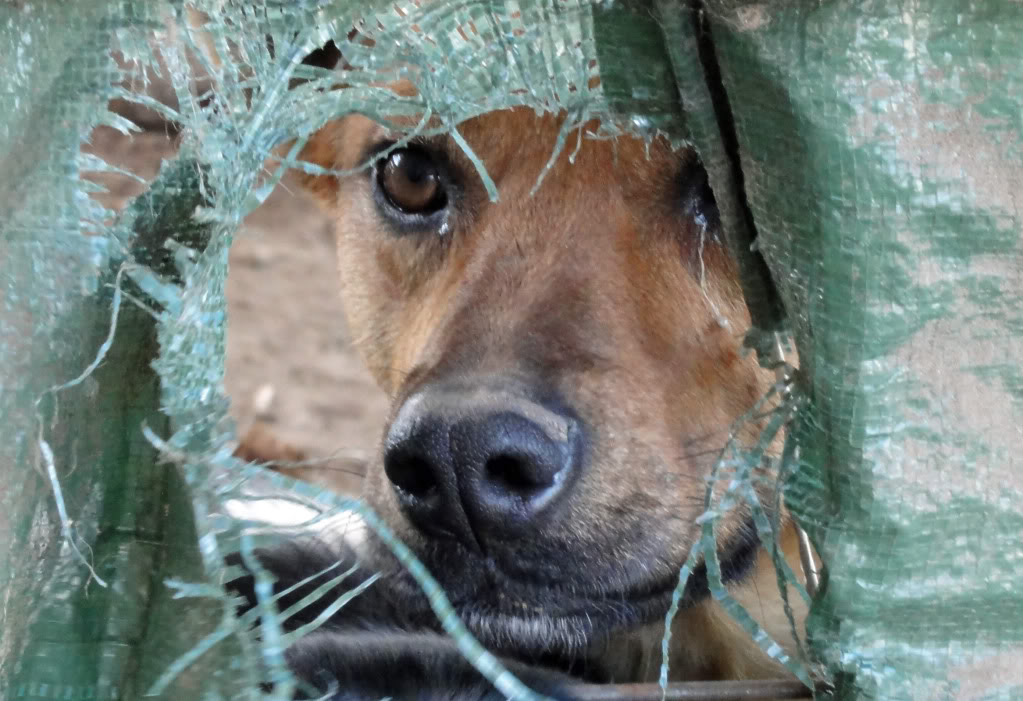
{"x":491,"y":589}
{"x":512,"y":597}
{"x":518,"y":598}
{"x":559,"y":634}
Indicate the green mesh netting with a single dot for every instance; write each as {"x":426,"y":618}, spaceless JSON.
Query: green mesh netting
{"x":870,"y":151}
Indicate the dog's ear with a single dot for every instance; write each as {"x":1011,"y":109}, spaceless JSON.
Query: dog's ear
{"x":327,"y":148}
{"x":323,"y":150}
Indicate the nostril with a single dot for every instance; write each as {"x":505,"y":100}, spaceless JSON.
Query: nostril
{"x":412,"y":474}
{"x":514,"y":473}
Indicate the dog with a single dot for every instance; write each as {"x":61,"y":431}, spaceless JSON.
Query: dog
{"x":564,"y":367}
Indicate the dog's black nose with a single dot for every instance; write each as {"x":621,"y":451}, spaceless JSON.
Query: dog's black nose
{"x":480,"y":462}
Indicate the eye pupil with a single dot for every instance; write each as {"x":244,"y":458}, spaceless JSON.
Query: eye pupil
{"x":411,"y":183}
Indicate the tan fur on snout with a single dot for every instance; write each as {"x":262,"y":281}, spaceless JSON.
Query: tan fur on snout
{"x":600,"y":288}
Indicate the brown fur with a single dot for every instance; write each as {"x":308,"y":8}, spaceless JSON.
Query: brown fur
{"x":592,"y":285}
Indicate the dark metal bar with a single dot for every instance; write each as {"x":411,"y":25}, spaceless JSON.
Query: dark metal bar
{"x":694,"y":691}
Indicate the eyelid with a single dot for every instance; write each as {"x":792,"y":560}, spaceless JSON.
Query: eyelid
{"x":430,"y":145}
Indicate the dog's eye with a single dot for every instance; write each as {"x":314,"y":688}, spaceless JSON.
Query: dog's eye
{"x":411,"y":182}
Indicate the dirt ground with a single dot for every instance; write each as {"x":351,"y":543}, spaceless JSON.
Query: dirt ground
{"x":290,"y":364}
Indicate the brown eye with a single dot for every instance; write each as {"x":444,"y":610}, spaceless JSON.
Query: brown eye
{"x":411,"y":182}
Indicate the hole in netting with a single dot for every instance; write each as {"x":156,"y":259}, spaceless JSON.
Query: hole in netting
{"x":299,"y":393}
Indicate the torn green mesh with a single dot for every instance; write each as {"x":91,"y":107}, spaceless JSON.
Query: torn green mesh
{"x":882,"y":167}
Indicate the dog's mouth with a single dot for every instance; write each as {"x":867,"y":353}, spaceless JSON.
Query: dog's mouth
{"x":559,"y":629}
{"x":540,"y":624}
{"x":557,"y":617}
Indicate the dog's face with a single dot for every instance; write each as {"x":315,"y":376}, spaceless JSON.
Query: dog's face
{"x":564,"y":366}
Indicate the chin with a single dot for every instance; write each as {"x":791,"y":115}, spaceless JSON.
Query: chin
{"x":542,"y":636}
{"x":552,"y":619}
{"x":517,"y":603}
